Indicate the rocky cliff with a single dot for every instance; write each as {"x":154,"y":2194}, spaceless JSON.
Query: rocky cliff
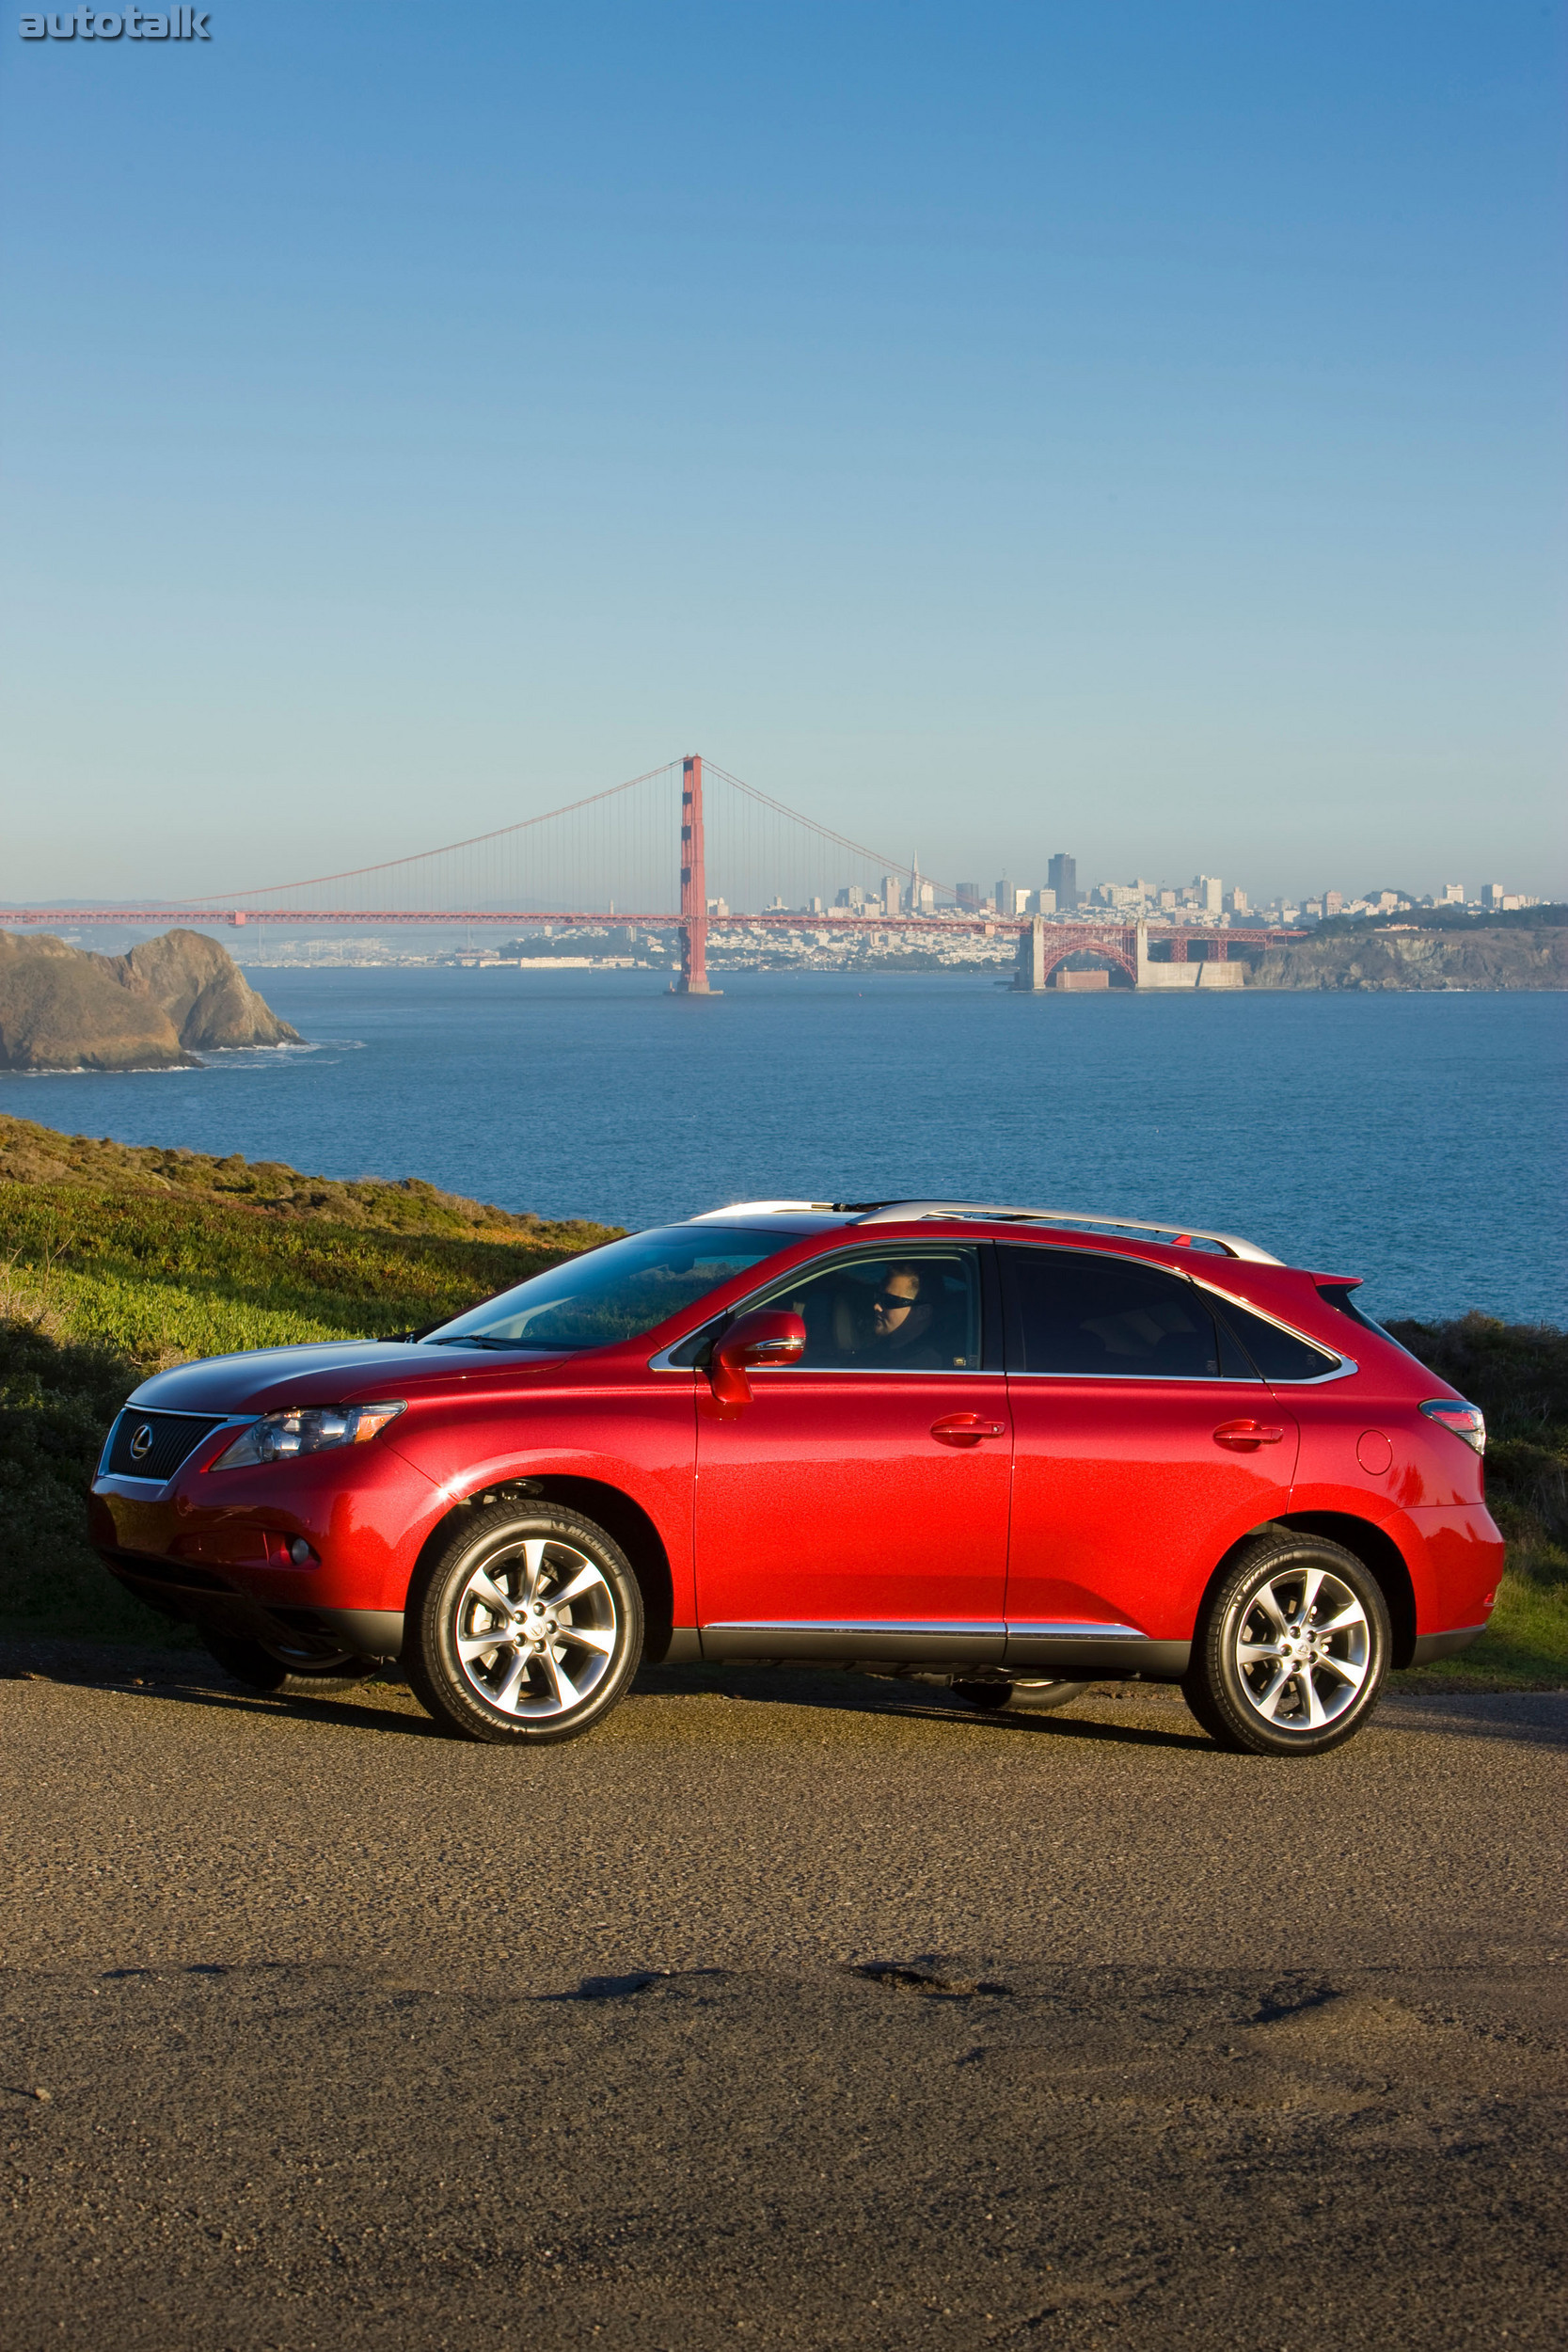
{"x":1421,"y":958}
{"x":159,"y":1008}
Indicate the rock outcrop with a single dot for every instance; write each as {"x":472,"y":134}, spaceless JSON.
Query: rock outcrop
{"x":1421,"y":958}
{"x":159,"y":1008}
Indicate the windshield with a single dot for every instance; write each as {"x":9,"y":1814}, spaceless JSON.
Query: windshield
{"x":615,"y":1293}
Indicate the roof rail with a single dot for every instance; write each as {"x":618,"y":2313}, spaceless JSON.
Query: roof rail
{"x":907,"y":1211}
{"x":770,"y":1208}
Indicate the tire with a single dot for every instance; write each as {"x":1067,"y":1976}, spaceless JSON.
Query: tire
{"x":247,"y":1661}
{"x":1034,"y":1697}
{"x":264,"y":1669}
{"x":1291,"y":1648}
{"x":524,"y":1573}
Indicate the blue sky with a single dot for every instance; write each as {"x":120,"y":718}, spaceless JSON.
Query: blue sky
{"x":996,"y":429}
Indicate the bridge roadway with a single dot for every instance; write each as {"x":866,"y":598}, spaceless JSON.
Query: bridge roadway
{"x":1085,"y":932}
{"x":791,"y":2010}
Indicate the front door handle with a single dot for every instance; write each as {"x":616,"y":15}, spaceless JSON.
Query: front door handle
{"x":966,"y":1429}
{"x":1245,"y":1436}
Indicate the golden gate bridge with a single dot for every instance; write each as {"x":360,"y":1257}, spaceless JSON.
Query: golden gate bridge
{"x":709,"y":854}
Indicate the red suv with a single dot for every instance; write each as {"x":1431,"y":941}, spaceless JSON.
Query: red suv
{"x":1012,"y":1448}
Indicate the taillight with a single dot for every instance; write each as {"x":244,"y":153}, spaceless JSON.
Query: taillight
{"x":1466,"y":1421}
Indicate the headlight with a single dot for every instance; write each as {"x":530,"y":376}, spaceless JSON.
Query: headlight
{"x":310,"y":1429}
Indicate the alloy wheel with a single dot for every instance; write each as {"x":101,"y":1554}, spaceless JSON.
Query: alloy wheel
{"x":536,"y":1629}
{"x":1303,"y":1649}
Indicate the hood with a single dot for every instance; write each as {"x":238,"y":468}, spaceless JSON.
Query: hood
{"x":332,"y":1372}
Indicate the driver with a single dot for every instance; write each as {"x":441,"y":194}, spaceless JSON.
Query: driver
{"x":901,"y":1320}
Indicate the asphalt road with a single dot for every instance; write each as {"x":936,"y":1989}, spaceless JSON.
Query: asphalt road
{"x":784,"y":2009}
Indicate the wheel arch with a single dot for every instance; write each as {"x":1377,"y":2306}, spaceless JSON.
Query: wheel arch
{"x":610,"y":1508}
{"x":1375,"y":1548}
{"x":1383,"y":1556}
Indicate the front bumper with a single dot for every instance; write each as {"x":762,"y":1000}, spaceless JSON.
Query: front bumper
{"x":195,"y":1595}
{"x":216,"y":1552}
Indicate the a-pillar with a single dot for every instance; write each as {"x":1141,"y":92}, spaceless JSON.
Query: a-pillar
{"x":1030,"y":976}
{"x":694,"y":974}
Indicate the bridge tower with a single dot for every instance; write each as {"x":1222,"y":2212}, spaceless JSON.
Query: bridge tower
{"x":693,"y":975}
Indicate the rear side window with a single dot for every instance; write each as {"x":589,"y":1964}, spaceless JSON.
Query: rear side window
{"x":1279,"y":1355}
{"x":1072,"y":1313}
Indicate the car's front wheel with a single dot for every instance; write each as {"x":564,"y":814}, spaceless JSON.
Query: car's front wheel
{"x":525,"y":1628}
{"x":1290,"y":1650}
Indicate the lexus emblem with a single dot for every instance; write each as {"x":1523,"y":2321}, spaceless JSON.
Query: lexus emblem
{"x":141,"y":1442}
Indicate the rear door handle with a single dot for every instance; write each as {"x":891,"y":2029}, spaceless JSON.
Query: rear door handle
{"x":1245,"y":1436}
{"x":966,"y":1429}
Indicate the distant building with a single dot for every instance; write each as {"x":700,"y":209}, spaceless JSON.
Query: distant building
{"x":1236,"y":902}
{"x":968,"y":895}
{"x":1493,"y":894}
{"x":1044,"y":902}
{"x":892,"y":894}
{"x":1334,"y":903}
{"x":1004,"y":898}
{"x":1454,"y":895}
{"x":1211,"y":894}
{"x":928,"y":898}
{"x":1062,"y":874}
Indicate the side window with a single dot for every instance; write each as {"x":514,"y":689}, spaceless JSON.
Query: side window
{"x":918,"y":1311}
{"x":1073,"y":1312}
{"x":1279,"y":1355}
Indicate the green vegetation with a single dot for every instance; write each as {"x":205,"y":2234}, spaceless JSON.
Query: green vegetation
{"x":115,"y":1261}
{"x":1553,"y":917}
{"x":1517,"y":1373}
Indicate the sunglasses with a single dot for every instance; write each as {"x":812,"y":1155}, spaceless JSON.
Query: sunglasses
{"x":888,"y":1300}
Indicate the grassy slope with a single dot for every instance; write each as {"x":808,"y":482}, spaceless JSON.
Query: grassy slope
{"x":1518,"y":1374}
{"x":114,"y":1260}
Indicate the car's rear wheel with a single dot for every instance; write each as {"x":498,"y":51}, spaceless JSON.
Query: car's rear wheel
{"x":1035,"y":1696}
{"x":525,"y":1628}
{"x":265,"y":1669}
{"x":1291,"y":1648}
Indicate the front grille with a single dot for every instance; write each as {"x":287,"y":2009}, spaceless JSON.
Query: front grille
{"x":170,"y":1438}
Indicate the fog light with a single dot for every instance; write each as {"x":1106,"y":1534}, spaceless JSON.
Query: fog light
{"x":302,"y":1555}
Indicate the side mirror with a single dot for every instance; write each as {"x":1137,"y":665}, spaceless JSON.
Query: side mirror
{"x":769,"y":1335}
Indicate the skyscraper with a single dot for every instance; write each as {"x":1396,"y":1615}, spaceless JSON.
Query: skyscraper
{"x":1063,"y":877}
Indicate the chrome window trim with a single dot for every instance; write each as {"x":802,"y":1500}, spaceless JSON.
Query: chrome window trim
{"x":1343,"y":1365}
{"x":1154,"y":1379}
{"x":880,"y":1372}
{"x":1202,"y":1379}
{"x":810,"y":1267}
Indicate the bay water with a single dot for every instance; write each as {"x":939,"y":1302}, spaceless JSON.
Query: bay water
{"x":1415,"y":1139}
